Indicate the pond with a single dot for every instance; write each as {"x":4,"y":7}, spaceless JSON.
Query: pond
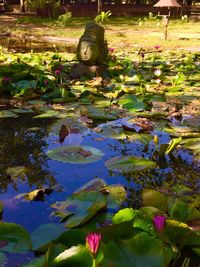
{"x":75,"y":154}
{"x":25,"y":165}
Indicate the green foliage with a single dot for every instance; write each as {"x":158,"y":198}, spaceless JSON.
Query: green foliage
{"x":52,"y":6}
{"x":75,"y":154}
{"x":153,"y":19}
{"x":45,"y":233}
{"x":63,"y":20}
{"x":103,"y":17}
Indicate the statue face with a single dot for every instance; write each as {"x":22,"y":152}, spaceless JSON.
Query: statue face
{"x":88,"y":52}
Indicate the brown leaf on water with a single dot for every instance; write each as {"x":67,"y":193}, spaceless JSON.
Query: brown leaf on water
{"x":145,"y":124}
{"x":64,"y":132}
{"x":3,"y":243}
{"x":85,"y":153}
{"x":194,"y":224}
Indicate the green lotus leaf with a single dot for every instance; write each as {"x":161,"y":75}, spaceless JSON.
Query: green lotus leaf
{"x":184,"y":212}
{"x":113,"y":132}
{"x":46,"y":233}
{"x":97,"y":113}
{"x":39,"y":262}
{"x":75,"y":154}
{"x":116,"y":196}
{"x":7,"y":114}
{"x":18,"y":238}
{"x":140,"y":250}
{"x":129,"y":164}
{"x":48,"y":114}
{"x":155,"y":199}
{"x":181,"y":233}
{"x":69,"y":123}
{"x":132,"y":103}
{"x":124,"y":215}
{"x":73,"y":257}
{"x":16,"y":171}
{"x":95,"y":184}
{"x":80,"y":208}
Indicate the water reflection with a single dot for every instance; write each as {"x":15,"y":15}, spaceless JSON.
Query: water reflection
{"x":22,"y":156}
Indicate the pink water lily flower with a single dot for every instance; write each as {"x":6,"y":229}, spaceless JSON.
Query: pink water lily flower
{"x":157,"y":47}
{"x":46,"y":82}
{"x":159,"y":222}
{"x":57,"y":72}
{"x":93,"y":242}
{"x":6,"y":79}
{"x":111,"y":50}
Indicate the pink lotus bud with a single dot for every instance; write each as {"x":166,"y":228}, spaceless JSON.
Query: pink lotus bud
{"x":6,"y":79}
{"x":111,"y":50}
{"x":46,"y":82}
{"x":93,"y":241}
{"x":60,"y":67}
{"x":159,"y":222}
{"x":156,"y":47}
{"x":57,"y":72}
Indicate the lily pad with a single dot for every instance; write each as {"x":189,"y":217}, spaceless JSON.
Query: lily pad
{"x":17,"y":171}
{"x":129,"y":164}
{"x":46,"y":233}
{"x":47,"y":114}
{"x":18,"y":238}
{"x":154,"y":199}
{"x":7,"y":114}
{"x":140,"y":250}
{"x":74,"y":256}
{"x":78,"y":209}
{"x":75,"y":154}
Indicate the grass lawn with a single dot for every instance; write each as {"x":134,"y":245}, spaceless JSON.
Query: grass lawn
{"x":120,"y":31}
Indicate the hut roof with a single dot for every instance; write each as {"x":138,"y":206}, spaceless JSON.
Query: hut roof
{"x":167,"y":3}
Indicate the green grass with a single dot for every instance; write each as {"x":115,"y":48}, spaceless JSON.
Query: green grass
{"x":119,"y":31}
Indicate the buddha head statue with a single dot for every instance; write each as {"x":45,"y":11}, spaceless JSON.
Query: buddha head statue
{"x":92,"y":48}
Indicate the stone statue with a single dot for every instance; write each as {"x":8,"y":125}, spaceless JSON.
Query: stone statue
{"x":92,"y":52}
{"x":92,"y":48}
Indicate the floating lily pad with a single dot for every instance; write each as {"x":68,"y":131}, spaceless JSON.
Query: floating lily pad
{"x":154,"y":199}
{"x":113,"y":132}
{"x":16,"y":171}
{"x":80,"y":208}
{"x":75,"y":154}
{"x":7,"y":114}
{"x":96,"y":184}
{"x":71,"y":124}
{"x":129,"y":164}
{"x":47,"y":114}
{"x":99,"y":114}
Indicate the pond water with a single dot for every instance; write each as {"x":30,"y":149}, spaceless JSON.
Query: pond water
{"x":25,"y":166}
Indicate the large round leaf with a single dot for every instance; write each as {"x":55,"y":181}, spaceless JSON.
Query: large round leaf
{"x":18,"y":238}
{"x":141,"y":250}
{"x":155,"y":199}
{"x":129,"y":164}
{"x":75,"y":154}
{"x":80,"y":208}
{"x":45,"y":233}
{"x":73,"y":257}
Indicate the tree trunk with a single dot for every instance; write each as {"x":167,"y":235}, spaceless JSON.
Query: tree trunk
{"x":22,"y":5}
{"x":99,"y":8}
